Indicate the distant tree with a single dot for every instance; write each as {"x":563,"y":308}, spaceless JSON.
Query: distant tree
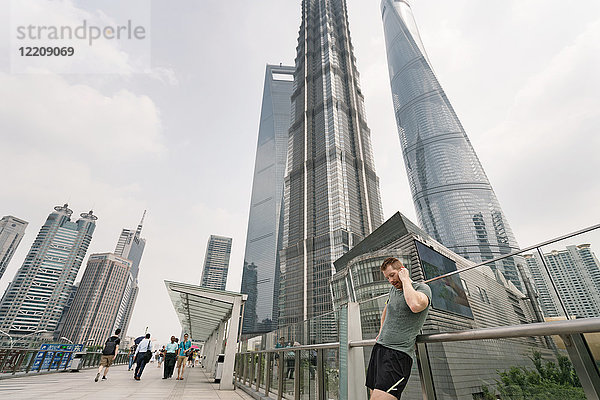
{"x":547,"y":381}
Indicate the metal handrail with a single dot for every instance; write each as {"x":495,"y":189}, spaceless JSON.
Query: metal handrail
{"x":567,"y":327}
{"x":514,"y":253}
{"x":330,"y":345}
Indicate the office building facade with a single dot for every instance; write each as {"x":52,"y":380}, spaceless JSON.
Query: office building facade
{"x":454,"y":200}
{"x":12,"y":230}
{"x":131,"y":247}
{"x":36,"y":297}
{"x":331,"y":192}
{"x":94,"y":310}
{"x":263,"y":241}
{"x":216,"y":262}
{"x":575,"y":272}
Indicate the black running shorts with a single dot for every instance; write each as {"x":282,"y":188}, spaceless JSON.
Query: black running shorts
{"x":388,"y":370}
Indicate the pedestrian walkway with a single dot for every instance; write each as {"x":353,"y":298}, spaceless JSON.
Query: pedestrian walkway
{"x":118,"y":385}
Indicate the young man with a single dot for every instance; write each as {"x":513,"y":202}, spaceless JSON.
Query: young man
{"x":141,"y":356}
{"x":170,"y":356}
{"x":111,"y":348}
{"x":184,"y":348}
{"x":401,"y":320}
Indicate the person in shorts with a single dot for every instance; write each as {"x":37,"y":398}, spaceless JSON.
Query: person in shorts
{"x":401,"y":321}
{"x":184,"y":349}
{"x":111,"y":348}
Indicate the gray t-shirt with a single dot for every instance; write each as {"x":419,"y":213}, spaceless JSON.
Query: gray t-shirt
{"x":401,"y":325}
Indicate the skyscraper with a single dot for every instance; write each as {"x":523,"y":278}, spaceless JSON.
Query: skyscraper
{"x":331,"y":193}
{"x":12,"y":230}
{"x":261,"y":259}
{"x":94,"y":310}
{"x":216,"y":262}
{"x":131,"y":247}
{"x":576,"y":274}
{"x":36,"y":297}
{"x":454,"y":200}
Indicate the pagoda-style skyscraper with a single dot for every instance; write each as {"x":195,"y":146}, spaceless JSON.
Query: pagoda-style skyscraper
{"x":454,"y":200}
{"x":331,"y":196}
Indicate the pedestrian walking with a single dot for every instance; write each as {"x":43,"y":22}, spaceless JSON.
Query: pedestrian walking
{"x":401,"y":320}
{"x":184,"y":348}
{"x":132,"y":356}
{"x":143,"y":354}
{"x":161,"y":356}
{"x":170,"y":358}
{"x":111,"y":348}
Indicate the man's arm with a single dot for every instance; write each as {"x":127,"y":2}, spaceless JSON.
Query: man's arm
{"x":416,"y":301}
{"x":383,"y":314}
{"x":116,"y":350}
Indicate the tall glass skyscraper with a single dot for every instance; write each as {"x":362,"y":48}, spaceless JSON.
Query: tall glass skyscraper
{"x":216,"y":262}
{"x":454,"y":200}
{"x":261,"y":259}
{"x":131,"y":247}
{"x":331,"y":196}
{"x":11,"y":232}
{"x":36,"y":297}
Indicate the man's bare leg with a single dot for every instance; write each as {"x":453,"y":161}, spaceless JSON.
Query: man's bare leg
{"x":381,"y":395}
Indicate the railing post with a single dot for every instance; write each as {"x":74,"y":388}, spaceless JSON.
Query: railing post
{"x":297,"y":374}
{"x":245,"y":370}
{"x":321,"y":378}
{"x":252,"y":369}
{"x":259,"y":359}
{"x":355,"y":373}
{"x":425,"y":372}
{"x":268,"y":371}
{"x":584,"y":364}
{"x":280,"y":375}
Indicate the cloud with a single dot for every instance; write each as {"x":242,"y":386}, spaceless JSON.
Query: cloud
{"x":45,"y":111}
{"x":549,"y":143}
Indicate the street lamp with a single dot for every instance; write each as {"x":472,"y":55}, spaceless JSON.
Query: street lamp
{"x":64,"y":338}
{"x":10,"y":337}
{"x":34,"y":333}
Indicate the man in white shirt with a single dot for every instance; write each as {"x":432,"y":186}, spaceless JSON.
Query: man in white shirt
{"x":141,"y":358}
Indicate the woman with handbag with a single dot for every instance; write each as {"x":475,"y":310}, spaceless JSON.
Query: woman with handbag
{"x":143,"y":354}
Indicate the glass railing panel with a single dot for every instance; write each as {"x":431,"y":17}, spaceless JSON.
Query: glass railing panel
{"x":275,"y":365}
{"x":261,"y":370}
{"x":289,"y":360}
{"x":574,"y":270}
{"x":331,"y":363}
{"x":520,"y":368}
{"x":308,"y":371}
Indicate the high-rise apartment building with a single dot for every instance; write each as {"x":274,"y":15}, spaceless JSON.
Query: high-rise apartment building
{"x":12,"y":230}
{"x":576,"y":275}
{"x":331,"y":192}
{"x":454,"y":200}
{"x":261,"y":258}
{"x":94,"y":310}
{"x":36,"y":297}
{"x":216,"y":262}
{"x":131,"y":247}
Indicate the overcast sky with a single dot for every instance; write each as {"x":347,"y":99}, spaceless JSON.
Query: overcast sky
{"x":179,"y":140}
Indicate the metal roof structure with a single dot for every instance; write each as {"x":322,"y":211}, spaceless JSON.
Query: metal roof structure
{"x":201,"y":310}
{"x":203,"y":314}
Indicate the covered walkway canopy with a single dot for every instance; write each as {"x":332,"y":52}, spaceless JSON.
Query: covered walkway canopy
{"x":203,"y":314}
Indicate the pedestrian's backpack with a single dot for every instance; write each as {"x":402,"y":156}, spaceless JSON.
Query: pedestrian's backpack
{"x":110,"y":346}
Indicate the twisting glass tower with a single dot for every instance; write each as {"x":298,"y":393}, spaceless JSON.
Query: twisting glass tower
{"x":454,"y":200}
{"x":331,"y":196}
